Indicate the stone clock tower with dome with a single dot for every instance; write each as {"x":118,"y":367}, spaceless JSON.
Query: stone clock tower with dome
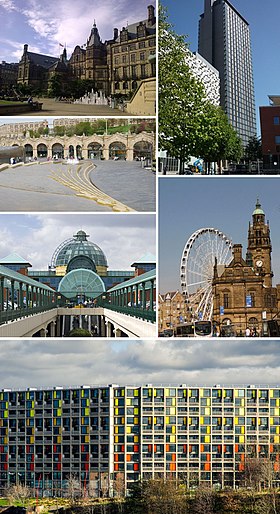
{"x":259,"y":245}
{"x":243,"y":294}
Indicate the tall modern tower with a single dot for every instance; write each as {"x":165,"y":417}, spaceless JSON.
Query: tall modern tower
{"x":224,"y":41}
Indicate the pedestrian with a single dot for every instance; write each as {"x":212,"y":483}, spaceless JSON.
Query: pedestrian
{"x":248,"y":332}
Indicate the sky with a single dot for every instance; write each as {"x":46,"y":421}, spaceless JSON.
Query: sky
{"x":123,"y":238}
{"x":187,"y":204}
{"x":263,"y":18}
{"x":44,"y":25}
{"x":97,"y":362}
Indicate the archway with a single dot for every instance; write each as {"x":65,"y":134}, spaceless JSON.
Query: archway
{"x":28,"y":150}
{"x":83,"y":283}
{"x":117,"y":151}
{"x":71,"y":152}
{"x":142,"y":150}
{"x":42,"y":150}
{"x":94,"y":151}
{"x":57,"y":151}
{"x":79,"y":154}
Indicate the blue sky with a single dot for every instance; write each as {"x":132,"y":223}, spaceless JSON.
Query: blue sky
{"x":188,"y":204}
{"x":263,"y":18}
{"x":43,"y":25}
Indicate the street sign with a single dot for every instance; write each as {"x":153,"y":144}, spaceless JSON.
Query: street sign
{"x":222,"y":310}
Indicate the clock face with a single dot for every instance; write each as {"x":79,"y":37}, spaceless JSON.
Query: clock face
{"x":259,"y":263}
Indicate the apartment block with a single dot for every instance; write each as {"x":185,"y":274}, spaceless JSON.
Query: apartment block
{"x":107,"y":435}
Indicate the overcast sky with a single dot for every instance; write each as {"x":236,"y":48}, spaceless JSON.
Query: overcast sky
{"x":45,"y":25}
{"x":187,"y":204}
{"x":123,"y":238}
{"x":49,"y":363}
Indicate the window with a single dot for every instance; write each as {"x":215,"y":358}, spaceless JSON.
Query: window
{"x":277,"y":140}
{"x":226,"y":300}
{"x":276,"y":120}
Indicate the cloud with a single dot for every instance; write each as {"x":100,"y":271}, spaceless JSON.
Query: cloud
{"x":122,"y":238}
{"x":138,"y":362}
{"x":8,"y":5}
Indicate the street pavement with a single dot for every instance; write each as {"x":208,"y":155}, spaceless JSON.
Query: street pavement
{"x":128,"y":182}
{"x":56,"y":186}
{"x":55,"y":108}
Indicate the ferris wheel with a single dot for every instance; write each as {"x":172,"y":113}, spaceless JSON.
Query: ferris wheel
{"x":197,"y":268}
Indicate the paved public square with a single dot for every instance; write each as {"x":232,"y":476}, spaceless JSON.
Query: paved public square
{"x":56,"y":108}
{"x":102,"y":186}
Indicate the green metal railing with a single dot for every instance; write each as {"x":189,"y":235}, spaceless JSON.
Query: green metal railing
{"x":136,"y":312}
{"x":13,"y":314}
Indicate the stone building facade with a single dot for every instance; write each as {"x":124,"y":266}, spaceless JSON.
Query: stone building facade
{"x":243,"y":294}
{"x":172,"y":310}
{"x":121,"y":146}
{"x":116,"y":66}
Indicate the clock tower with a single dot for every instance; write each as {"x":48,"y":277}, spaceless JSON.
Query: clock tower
{"x":259,"y":245}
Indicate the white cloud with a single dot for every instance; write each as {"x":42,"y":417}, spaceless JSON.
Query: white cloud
{"x":122,"y":238}
{"x":8,"y":5}
{"x":138,"y":362}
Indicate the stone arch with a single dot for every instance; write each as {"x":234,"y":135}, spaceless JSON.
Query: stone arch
{"x":71,"y":151}
{"x":57,"y":151}
{"x":79,"y":152}
{"x":42,"y":150}
{"x":28,"y":150}
{"x":142,"y":150}
{"x":117,"y":150}
{"x":95,"y":150}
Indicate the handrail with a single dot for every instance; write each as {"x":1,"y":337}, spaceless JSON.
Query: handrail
{"x":14,"y":314}
{"x":136,"y":312}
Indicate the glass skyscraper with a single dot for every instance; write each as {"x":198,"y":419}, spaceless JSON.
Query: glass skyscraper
{"x":224,"y":41}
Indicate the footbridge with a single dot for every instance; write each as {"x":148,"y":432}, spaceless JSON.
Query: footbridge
{"x":31,"y":309}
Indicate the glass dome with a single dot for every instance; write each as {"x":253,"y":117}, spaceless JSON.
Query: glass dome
{"x":78,"y":245}
{"x":81,"y":282}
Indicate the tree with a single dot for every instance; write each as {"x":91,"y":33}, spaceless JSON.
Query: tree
{"x":181,"y":97}
{"x":79,"y":332}
{"x":217,"y":139}
{"x":253,"y":150}
{"x":73,"y":489}
{"x":205,"y":501}
{"x":18,"y":493}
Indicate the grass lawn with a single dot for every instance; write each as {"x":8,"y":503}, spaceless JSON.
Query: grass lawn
{"x":9,"y":102}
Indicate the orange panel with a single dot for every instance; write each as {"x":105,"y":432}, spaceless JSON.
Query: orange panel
{"x":116,"y":467}
{"x":116,"y":457}
{"x":172,"y":467}
{"x":167,"y":447}
{"x":136,"y":448}
{"x":207,"y":466}
{"x":241,"y":467}
{"x":128,"y":458}
{"x":173,"y":456}
{"x":236,"y":448}
{"x":136,"y":467}
{"x":208,"y":457}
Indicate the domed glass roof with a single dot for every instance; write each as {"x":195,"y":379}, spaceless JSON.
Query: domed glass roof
{"x":81,"y":281}
{"x":78,"y":245}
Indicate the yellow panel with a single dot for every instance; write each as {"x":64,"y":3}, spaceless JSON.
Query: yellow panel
{"x":86,"y":412}
{"x":116,"y":430}
{"x":276,"y":438}
{"x":116,"y":411}
{"x":207,"y":438}
{"x":236,"y":421}
{"x":173,"y":401}
{"x":201,"y":420}
{"x":242,"y":430}
{"x":166,"y":392}
{"x":241,"y":438}
{"x":116,"y":401}
{"x":128,"y":430}
{"x":116,"y":438}
{"x":208,"y":401}
{"x":173,"y":429}
{"x":276,"y":412}
{"x":167,"y":420}
{"x":241,"y":411}
{"x":128,"y":401}
{"x":172,"y":411}
{"x":270,"y":393}
{"x":189,"y":392}
{"x":155,"y":421}
{"x":207,"y":410}
{"x":122,"y":422}
{"x":271,"y":421}
{"x":136,"y":421}
{"x":87,"y":438}
{"x":173,"y":438}
{"x":136,"y":438}
{"x":277,"y":430}
{"x":122,"y":392}
{"x":59,"y":438}
{"x":208,"y":430}
{"x":136,"y":392}
{"x":136,"y":410}
{"x":243,"y":402}
{"x":277,"y":402}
